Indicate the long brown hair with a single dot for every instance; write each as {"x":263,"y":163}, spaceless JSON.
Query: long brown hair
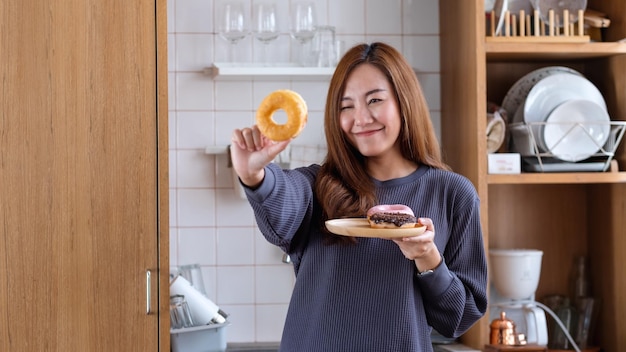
{"x":343,"y":186}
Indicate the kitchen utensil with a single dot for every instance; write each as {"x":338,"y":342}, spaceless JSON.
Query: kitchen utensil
{"x":193,"y":274}
{"x":502,"y":331}
{"x":340,"y":49}
{"x":587,"y":310}
{"x":500,"y":7}
{"x":515,"y":272}
{"x":205,"y":338}
{"x":303,"y":29}
{"x":580,"y":278}
{"x":232,"y":25}
{"x":324,"y":44}
{"x":515,"y":276}
{"x":203,"y":310}
{"x":555,"y":89}
{"x":566,"y":315}
{"x":359,"y":227}
{"x":519,"y":90}
{"x":550,"y":92}
{"x":524,"y":138}
{"x":575,"y":130}
{"x":180,"y":316}
{"x":265,"y":27}
{"x":536,"y":325}
{"x":303,"y":22}
{"x":572,"y":6}
{"x":525,"y":142}
{"x":496,"y":131}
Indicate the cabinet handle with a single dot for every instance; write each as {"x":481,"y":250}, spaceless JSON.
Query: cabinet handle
{"x":148,"y":292}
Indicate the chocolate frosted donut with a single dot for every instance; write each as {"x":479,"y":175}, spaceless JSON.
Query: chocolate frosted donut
{"x":391,"y":216}
{"x":397,"y":219}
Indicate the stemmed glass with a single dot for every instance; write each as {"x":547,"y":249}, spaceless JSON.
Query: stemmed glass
{"x":544,"y":6}
{"x":233,"y":25}
{"x":303,"y":24}
{"x":265,"y":26}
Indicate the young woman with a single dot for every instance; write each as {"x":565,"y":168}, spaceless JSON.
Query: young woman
{"x":370,"y":294}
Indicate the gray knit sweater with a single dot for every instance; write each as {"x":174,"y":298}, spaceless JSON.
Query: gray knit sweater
{"x":368,"y":297}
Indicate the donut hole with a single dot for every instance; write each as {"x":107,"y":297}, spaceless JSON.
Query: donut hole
{"x":280,"y":117}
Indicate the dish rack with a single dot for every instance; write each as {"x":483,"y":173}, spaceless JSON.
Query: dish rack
{"x":525,"y":139}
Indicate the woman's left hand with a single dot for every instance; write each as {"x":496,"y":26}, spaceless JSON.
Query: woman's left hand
{"x":422,"y":248}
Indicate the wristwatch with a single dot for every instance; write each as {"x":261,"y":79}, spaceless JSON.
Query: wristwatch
{"x":429,"y":271}
{"x":425,"y":273}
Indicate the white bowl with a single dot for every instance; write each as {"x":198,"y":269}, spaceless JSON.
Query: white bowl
{"x":576,"y":130}
{"x":515,"y":272}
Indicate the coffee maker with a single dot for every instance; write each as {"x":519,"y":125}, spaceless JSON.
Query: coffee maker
{"x":514,"y":275}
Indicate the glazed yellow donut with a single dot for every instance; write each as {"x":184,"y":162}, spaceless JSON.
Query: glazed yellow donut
{"x":293,"y":105}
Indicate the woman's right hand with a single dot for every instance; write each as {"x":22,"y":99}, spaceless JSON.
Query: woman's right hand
{"x":250,"y":152}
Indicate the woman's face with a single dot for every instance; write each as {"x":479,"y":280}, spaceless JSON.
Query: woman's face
{"x":369,"y":115}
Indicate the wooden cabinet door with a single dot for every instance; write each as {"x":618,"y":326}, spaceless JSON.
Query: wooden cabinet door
{"x":81,"y":161}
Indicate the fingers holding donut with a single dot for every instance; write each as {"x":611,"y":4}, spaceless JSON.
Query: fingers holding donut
{"x":249,"y":138}
{"x":252,"y":148}
{"x":250,"y":152}
{"x":294,"y":106}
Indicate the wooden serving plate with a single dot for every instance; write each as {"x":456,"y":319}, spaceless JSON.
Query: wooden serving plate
{"x":360,"y":227}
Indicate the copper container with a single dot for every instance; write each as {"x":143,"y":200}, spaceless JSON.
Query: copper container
{"x":502,"y":331}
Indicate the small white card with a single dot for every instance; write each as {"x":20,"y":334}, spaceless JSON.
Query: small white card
{"x":504,"y":163}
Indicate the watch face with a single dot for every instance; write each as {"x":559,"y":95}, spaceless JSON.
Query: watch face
{"x":429,"y":271}
{"x":425,"y":273}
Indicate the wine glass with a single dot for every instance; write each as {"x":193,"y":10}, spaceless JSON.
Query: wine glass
{"x":544,"y":6}
{"x":233,"y":25}
{"x":265,"y":26}
{"x":303,"y":27}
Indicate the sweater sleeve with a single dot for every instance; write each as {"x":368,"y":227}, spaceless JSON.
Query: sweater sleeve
{"x":283,"y":204}
{"x":455,"y":297}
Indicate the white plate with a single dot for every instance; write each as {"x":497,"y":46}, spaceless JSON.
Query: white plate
{"x":519,"y":90}
{"x":360,"y":227}
{"x":576,"y":129}
{"x":555,"y":89}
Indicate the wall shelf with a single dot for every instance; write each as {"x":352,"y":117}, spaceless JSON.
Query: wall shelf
{"x":230,"y":71}
{"x":498,"y":51}
{"x":217,"y":149}
{"x":558,"y":178}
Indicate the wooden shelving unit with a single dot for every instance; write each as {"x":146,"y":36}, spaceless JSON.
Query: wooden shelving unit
{"x":563,"y":214}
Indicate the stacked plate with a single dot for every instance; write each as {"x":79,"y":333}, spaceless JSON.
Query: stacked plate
{"x":564,"y":115}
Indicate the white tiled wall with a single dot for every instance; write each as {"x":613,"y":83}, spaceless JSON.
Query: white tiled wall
{"x":210,"y":224}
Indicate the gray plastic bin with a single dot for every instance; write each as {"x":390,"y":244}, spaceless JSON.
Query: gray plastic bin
{"x":205,"y":338}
